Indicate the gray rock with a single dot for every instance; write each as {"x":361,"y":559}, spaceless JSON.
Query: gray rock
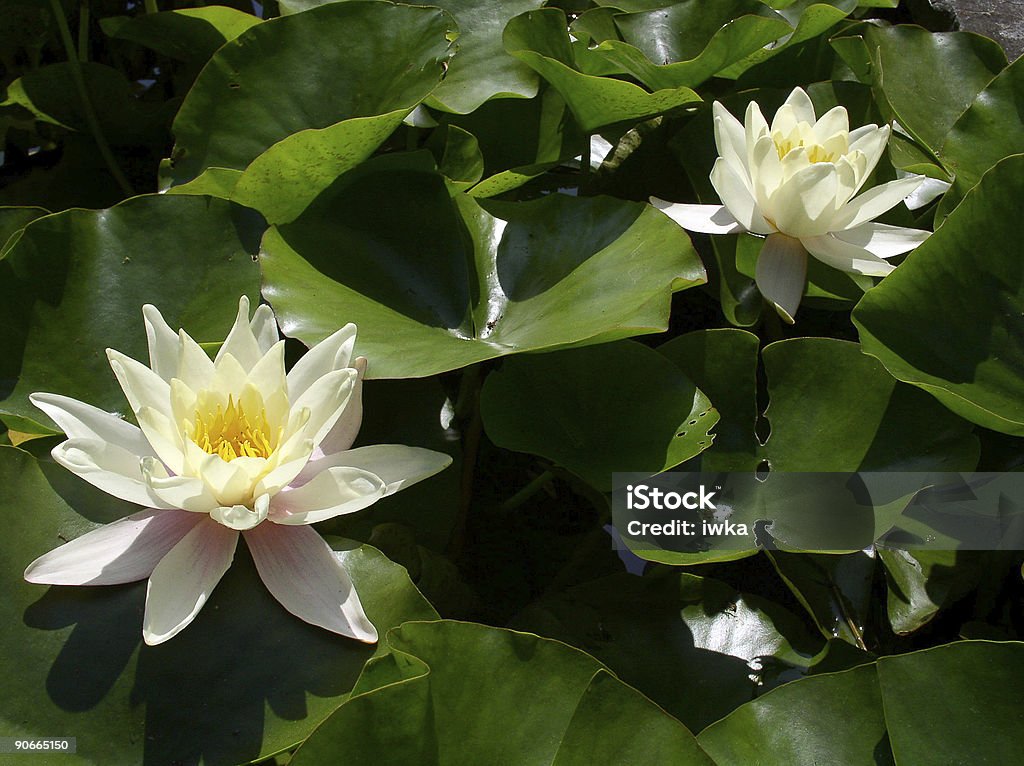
{"x":1002,"y":20}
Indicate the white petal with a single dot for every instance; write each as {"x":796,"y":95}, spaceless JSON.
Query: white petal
{"x":165,"y":439}
{"x":229,"y":483}
{"x":731,"y":141}
{"x":755,"y":127}
{"x":765,"y":171}
{"x":326,"y":400}
{"x":343,"y":433}
{"x":803,"y":109}
{"x":330,"y":493}
{"x":185,"y":578}
{"x":264,"y":327}
{"x":874,"y":202}
{"x":397,"y":465}
{"x":185,"y":492}
{"x":709,"y":219}
{"x":123,"y":551}
{"x":267,"y":375}
{"x":195,"y":368}
{"x":736,"y":196}
{"x":870,"y":140}
{"x":883,"y":240}
{"x":163,"y":343}
{"x":108,"y":467}
{"x":332,"y":353}
{"x":846,"y":257}
{"x":302,"y":572}
{"x":241,"y":518}
{"x":781,"y":273}
{"x":835,"y":120}
{"x":241,"y":343}
{"x":929,"y":189}
{"x":83,"y":421}
{"x":142,"y":387}
{"x":805,"y":204}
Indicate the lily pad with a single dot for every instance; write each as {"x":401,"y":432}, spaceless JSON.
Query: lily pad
{"x":452,"y":688}
{"x":190,"y":256}
{"x":258,"y":680}
{"x":388,"y":250}
{"x":189,"y":34}
{"x":915,"y":320}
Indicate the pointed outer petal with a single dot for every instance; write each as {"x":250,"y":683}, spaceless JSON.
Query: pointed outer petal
{"x":108,"y":467}
{"x":835,"y":120}
{"x":164,"y":437}
{"x":163,"y":343}
{"x":871,"y":140}
{"x":765,"y":171}
{"x":755,"y":128}
{"x":230,"y":484}
{"x":731,"y":141}
{"x":874,"y":202}
{"x":241,"y":343}
{"x":846,"y":257}
{"x":267,"y":375}
{"x":850,"y":176}
{"x":83,"y":421}
{"x":804,"y":206}
{"x":142,"y":387}
{"x":332,"y":353}
{"x":781,"y":273}
{"x":803,"y":109}
{"x":929,"y":189}
{"x":346,"y":429}
{"x":737,"y":197}
{"x":883,"y":240}
{"x":326,"y":400}
{"x":185,"y":492}
{"x":397,"y":465}
{"x":302,"y":572}
{"x":264,"y":327}
{"x":126,"y":550}
{"x":241,"y":518}
{"x":709,"y":219}
{"x":330,"y":493}
{"x":185,"y":578}
{"x":195,"y":368}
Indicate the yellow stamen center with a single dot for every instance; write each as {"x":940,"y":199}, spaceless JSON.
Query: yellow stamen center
{"x":231,"y":433}
{"x":815,"y":152}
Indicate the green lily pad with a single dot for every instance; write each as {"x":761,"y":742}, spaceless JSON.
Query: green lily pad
{"x":189,"y":34}
{"x":269,"y":82}
{"x":192,"y":257}
{"x":597,"y":410}
{"x":13,"y":220}
{"x":915,"y":321}
{"x":541,"y":39}
{"x":529,"y":276}
{"x":245,"y":680}
{"x":448,"y":691}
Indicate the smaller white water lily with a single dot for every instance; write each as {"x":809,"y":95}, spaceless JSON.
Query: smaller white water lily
{"x":228,"y":446}
{"x":795,"y":182}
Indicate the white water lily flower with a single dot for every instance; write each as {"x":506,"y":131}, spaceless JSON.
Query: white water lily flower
{"x":224,"y":447}
{"x":795,"y":183}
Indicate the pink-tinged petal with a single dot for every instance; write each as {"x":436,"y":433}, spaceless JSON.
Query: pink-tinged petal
{"x":83,"y":421}
{"x":107,"y":467}
{"x":874,"y":202}
{"x":781,"y":273}
{"x":883,"y":240}
{"x":709,"y":219}
{"x":331,"y":493}
{"x":163,"y":343}
{"x":302,"y":572}
{"x":332,"y":353}
{"x":397,"y":465}
{"x":344,"y":432}
{"x":126,"y":550}
{"x":846,"y":257}
{"x":264,"y":327}
{"x":241,"y":343}
{"x":185,"y":578}
{"x":737,"y":198}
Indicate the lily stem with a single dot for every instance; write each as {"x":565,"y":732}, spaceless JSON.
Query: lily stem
{"x":467,"y":409}
{"x":87,"y":107}
{"x":531,"y":489}
{"x":83,"y":31}
{"x":150,"y":6}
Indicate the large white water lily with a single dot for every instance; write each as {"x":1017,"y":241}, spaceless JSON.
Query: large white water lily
{"x":796,"y":182}
{"x":228,"y":446}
